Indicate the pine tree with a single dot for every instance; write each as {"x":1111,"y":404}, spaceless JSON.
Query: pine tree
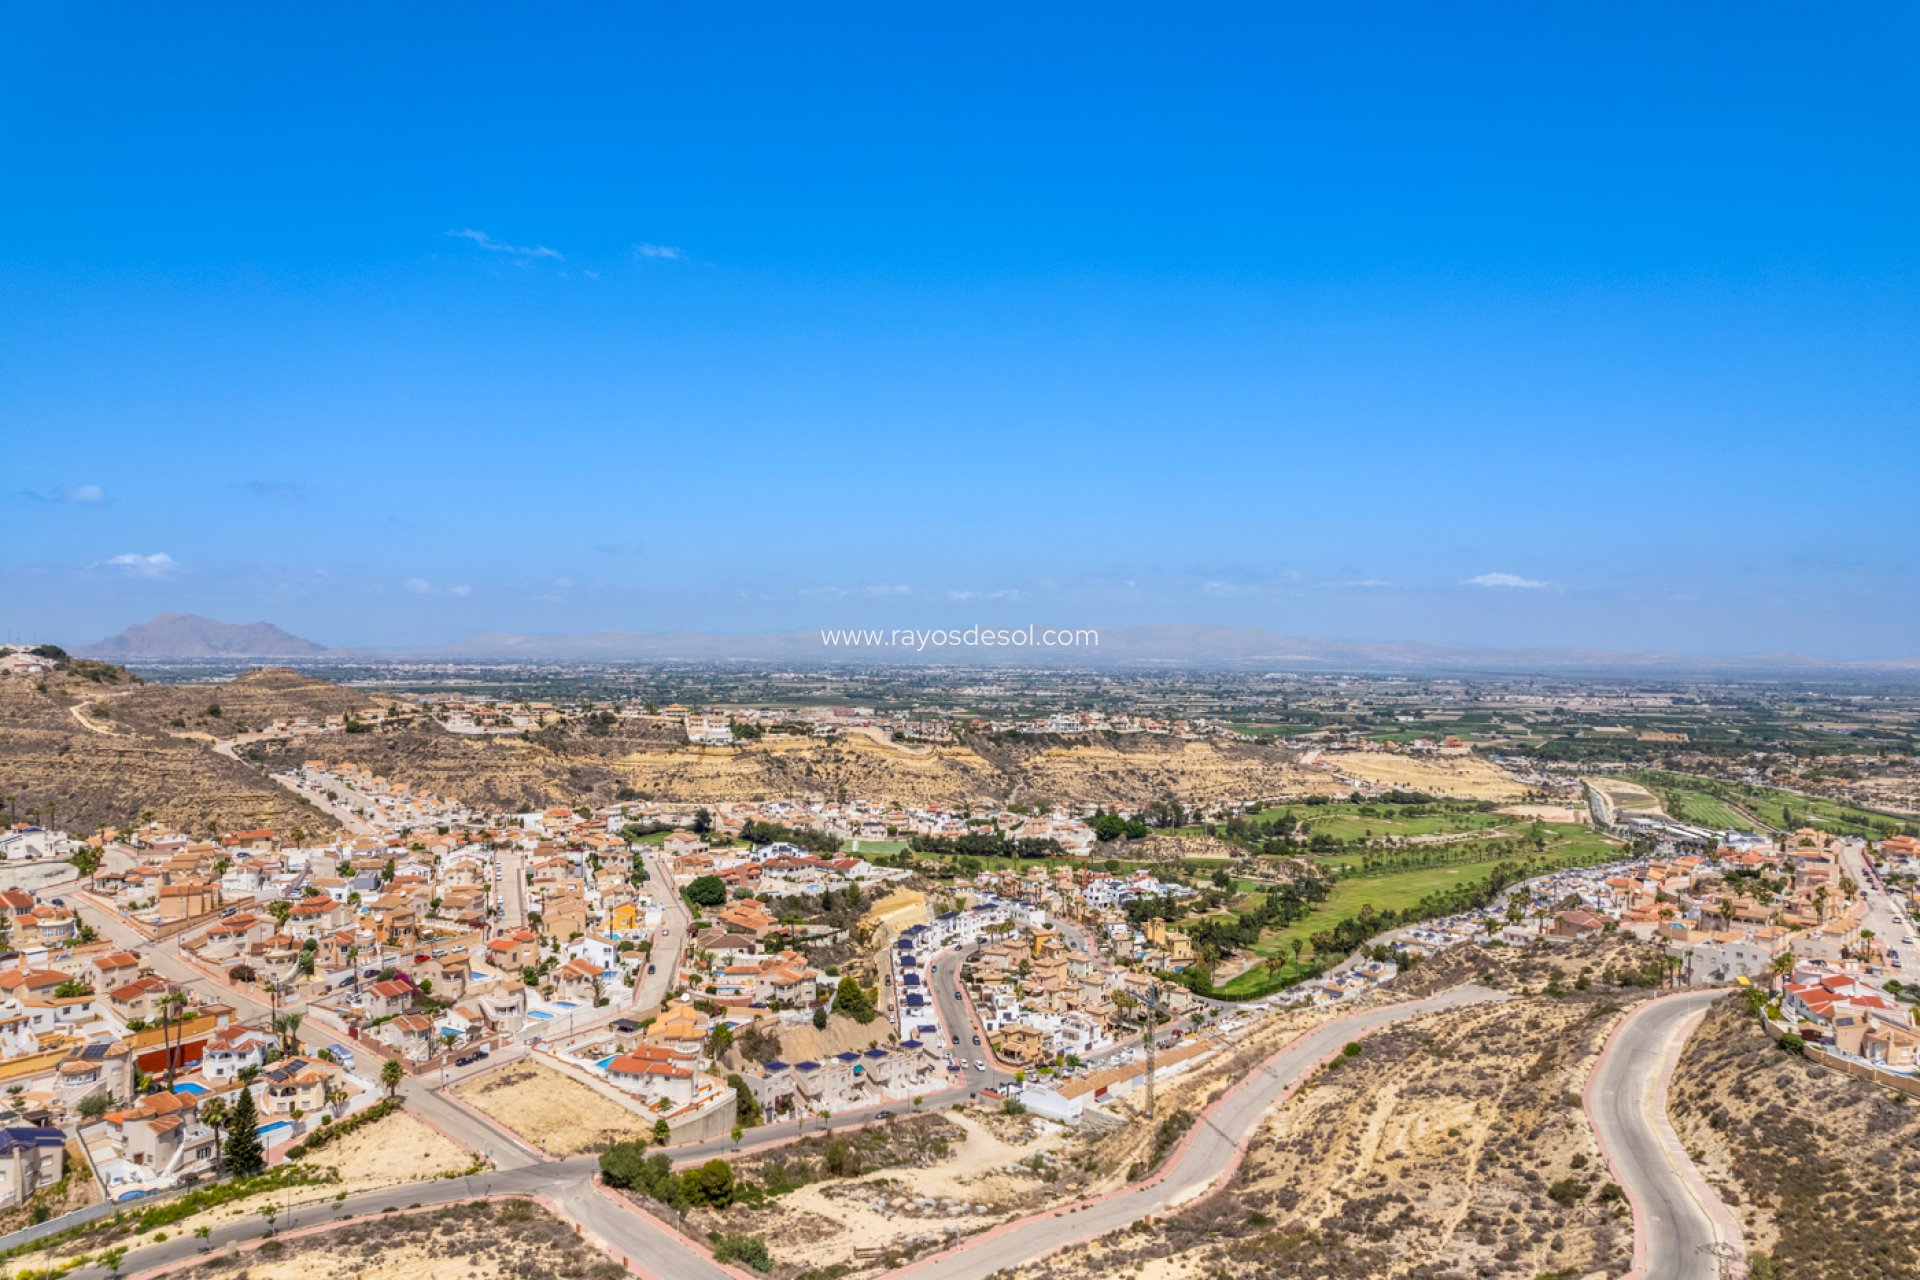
{"x":244,"y":1156}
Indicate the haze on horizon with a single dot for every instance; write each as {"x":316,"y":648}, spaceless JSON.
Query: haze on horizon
{"x":1512,"y":327}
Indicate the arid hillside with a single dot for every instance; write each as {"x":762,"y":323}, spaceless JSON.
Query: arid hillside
{"x":571,"y":764}
{"x":1822,"y":1169}
{"x":1451,"y":1146}
{"x":247,"y":704}
{"x":80,"y":749}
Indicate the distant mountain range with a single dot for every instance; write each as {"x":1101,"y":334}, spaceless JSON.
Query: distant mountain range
{"x":185,"y":637}
{"x":177,"y":636}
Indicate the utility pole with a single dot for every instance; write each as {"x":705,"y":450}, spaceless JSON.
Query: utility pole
{"x":1153,"y":1025}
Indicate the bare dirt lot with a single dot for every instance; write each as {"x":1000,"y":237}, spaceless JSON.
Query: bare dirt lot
{"x":1549,"y":812}
{"x":1456,"y":777}
{"x":477,"y":1241}
{"x":558,"y":1114}
{"x":398,"y":1148}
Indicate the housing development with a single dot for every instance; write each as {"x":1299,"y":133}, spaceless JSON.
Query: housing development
{"x":843,"y":1032}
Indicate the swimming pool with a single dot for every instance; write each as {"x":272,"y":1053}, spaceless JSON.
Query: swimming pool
{"x":606,"y":1062}
{"x":264,"y":1130}
{"x":565,"y":1004}
{"x":187,"y":1086}
{"x":541,"y":1014}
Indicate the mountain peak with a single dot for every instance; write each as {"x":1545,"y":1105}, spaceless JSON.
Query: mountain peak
{"x":188,"y":635}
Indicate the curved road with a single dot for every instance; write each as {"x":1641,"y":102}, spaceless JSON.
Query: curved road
{"x":651,"y":1249}
{"x":1212,"y":1149}
{"x":1677,"y":1218}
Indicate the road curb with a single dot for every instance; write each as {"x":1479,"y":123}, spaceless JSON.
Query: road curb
{"x":1688,"y":1173}
{"x":1169,"y":1166}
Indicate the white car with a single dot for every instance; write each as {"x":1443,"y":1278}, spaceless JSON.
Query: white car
{"x":979,"y":1064}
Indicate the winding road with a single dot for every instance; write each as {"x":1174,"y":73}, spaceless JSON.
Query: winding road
{"x":1677,"y":1218}
{"x":1211,"y":1150}
{"x":651,"y":1248}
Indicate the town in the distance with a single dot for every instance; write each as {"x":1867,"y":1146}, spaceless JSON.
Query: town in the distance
{"x":832,"y":971}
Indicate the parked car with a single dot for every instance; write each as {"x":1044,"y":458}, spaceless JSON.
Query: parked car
{"x":976,"y":1039}
{"x":883,"y":1115}
{"x":464,"y":1061}
{"x":480,"y":1053}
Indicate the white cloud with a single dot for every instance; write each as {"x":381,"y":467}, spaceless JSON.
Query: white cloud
{"x":419,"y":586}
{"x":491,"y":245}
{"x":462,"y":590}
{"x":664,"y":252}
{"x":1505,"y":580}
{"x":157,"y":565}
{"x":82,"y":494}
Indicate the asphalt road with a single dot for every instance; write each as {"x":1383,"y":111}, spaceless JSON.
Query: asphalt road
{"x":1674,"y":1210}
{"x":649,"y":1249}
{"x":1211,"y":1153}
{"x":461,"y":1124}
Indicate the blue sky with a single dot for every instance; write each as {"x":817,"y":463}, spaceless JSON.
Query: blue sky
{"x":1497,"y":324}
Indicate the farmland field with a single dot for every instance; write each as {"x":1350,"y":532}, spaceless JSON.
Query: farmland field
{"x":1774,"y":807}
{"x":1692,"y":805}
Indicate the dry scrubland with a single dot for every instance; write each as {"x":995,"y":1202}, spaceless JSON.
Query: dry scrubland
{"x":911,"y":1186}
{"x":104,"y":750}
{"x":393,"y":1150}
{"x":554,"y":1112}
{"x":568,"y":764}
{"x":1823,"y":1170}
{"x":121,"y":755}
{"x":1452,"y":1146}
{"x":75,"y":1191}
{"x":485,"y":1240}
{"x":904,"y":1188}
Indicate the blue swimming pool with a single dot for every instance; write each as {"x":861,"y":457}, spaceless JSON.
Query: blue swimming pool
{"x":565,"y":1004}
{"x":187,"y":1086}
{"x":541,"y":1014}
{"x":607,"y":1061}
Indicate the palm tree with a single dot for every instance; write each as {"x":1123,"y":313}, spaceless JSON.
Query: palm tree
{"x":391,"y":1074}
{"x":170,"y":1028}
{"x":287,"y":1024}
{"x":213,"y":1114}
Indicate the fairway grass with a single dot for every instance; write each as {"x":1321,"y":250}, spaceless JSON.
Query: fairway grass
{"x":1569,"y":845}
